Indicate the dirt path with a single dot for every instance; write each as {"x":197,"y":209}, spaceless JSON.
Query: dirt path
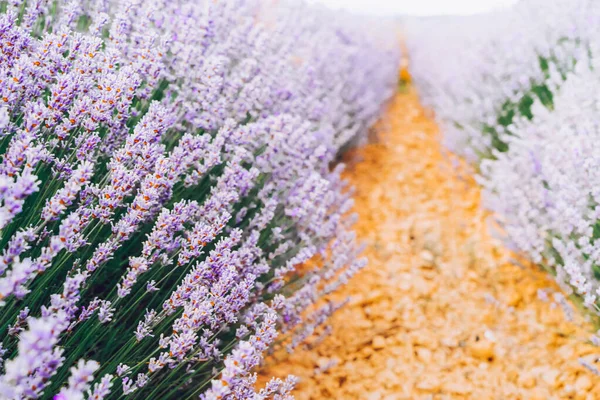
{"x":440,"y":312}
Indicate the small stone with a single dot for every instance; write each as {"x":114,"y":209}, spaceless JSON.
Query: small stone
{"x":482,"y":349}
{"x":374,"y":396}
{"x":429,"y":385}
{"x":512,"y":375}
{"x":356,"y":299}
{"x":350,"y":367}
{"x":453,"y":387}
{"x":425,"y":338}
{"x":363,"y":323}
{"x":322,"y":362}
{"x":537,"y":394}
{"x":427,"y":259}
{"x":373,"y":297}
{"x":513,"y":299}
{"x":526,"y":380}
{"x":569,"y":390}
{"x":367,"y":351}
{"x":549,"y":376}
{"x":422,"y":286}
{"x":378,"y":342}
{"x":583,"y":383}
{"x":387,"y":378}
{"x":390,"y":362}
{"x":448,"y":342}
{"x":424,"y":354}
{"x":389,"y":315}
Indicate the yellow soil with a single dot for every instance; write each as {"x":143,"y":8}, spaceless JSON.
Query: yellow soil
{"x":442,"y":311}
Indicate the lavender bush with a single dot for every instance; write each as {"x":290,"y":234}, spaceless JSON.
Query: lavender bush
{"x":482,"y":73}
{"x":165,"y":170}
{"x":528,"y":116}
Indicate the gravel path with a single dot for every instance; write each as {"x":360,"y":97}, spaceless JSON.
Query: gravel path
{"x":442,"y":311}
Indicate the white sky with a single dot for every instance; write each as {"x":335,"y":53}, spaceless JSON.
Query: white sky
{"x":418,"y":7}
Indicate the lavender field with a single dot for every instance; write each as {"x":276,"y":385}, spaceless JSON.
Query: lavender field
{"x":193,"y":190}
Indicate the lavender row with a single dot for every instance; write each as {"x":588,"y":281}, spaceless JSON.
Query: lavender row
{"x":168,"y":207}
{"x":524,"y":108}
{"x":483,"y":73}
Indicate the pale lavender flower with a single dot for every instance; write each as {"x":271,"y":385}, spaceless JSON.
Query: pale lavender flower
{"x":151,"y":286}
{"x":27,"y":374}
{"x":101,"y":389}
{"x":142,"y":380}
{"x":65,"y":196}
{"x":144,"y":327}
{"x":122,"y":370}
{"x":2,"y":353}
{"x":278,"y":389}
{"x":589,"y":366}
{"x":15,"y":194}
{"x":129,"y":385}
{"x":4,"y":118}
{"x":17,"y":245}
{"x":105,"y":311}
{"x":20,"y":323}
{"x":79,"y":381}
{"x":236,"y":379}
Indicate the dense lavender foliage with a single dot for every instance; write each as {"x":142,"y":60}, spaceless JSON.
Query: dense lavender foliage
{"x":520,"y":98}
{"x":479,"y":73}
{"x":165,"y":171}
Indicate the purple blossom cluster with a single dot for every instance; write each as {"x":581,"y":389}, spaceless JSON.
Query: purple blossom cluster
{"x":165,"y":171}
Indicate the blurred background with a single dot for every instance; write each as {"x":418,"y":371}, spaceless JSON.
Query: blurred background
{"x":417,"y":8}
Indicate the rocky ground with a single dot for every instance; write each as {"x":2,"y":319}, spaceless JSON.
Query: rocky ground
{"x":443,"y":310}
